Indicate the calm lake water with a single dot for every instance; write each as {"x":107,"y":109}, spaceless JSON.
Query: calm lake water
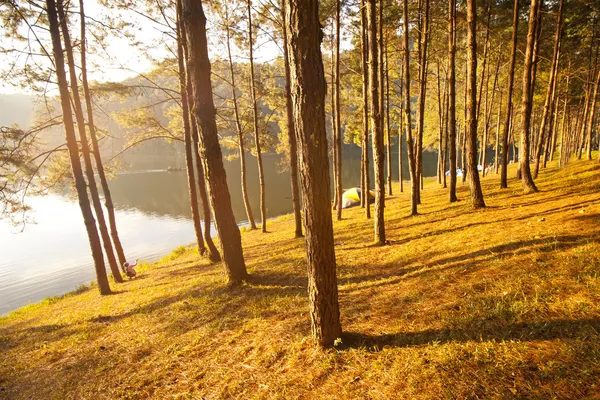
{"x":52,"y":256}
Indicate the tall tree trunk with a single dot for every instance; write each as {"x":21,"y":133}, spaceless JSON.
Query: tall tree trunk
{"x":85,"y":149}
{"x":377,"y":133}
{"x":551,"y":138}
{"x":536,"y":47}
{"x":497,"y":142}
{"x":440,"y":169}
{"x":473,"y":174}
{"x":108,"y":203}
{"x":338,"y":125}
{"x":414,"y":178}
{"x":549,"y":91}
{"x":308,"y":97}
{"x":331,"y":85}
{"x":484,"y":66}
{"x":422,"y":96}
{"x":261,"y":173}
{"x":292,"y":145}
{"x":238,"y":126}
{"x":465,"y":126}
{"x":387,"y":119}
{"x":401,"y":134}
{"x":526,"y":178}
{"x":488,"y":113}
{"x":365,"y":92}
{"x":198,"y":67}
{"x":445,"y":153}
{"x":452,"y":96}
{"x":591,"y":119}
{"x":187,"y":135}
{"x":213,"y":253}
{"x":509,"y":94}
{"x":80,"y":185}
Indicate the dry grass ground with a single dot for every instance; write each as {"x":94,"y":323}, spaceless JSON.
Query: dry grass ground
{"x":500,"y":303}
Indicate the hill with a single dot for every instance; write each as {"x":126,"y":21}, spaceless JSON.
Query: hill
{"x":498,"y":303}
{"x":17,"y":109}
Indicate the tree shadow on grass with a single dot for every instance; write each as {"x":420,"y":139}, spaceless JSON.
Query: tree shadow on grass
{"x":473,"y":261}
{"x":583,"y":329}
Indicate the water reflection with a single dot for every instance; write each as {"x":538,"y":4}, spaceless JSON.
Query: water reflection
{"x":52,"y":256}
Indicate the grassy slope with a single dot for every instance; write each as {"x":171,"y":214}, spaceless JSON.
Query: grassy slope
{"x":498,"y":303}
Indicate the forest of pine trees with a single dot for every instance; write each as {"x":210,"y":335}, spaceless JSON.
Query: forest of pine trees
{"x":414,"y":76}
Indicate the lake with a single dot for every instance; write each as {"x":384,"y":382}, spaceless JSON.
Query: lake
{"x":52,"y":256}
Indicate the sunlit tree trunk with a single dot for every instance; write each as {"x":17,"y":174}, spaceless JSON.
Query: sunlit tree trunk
{"x":85,"y":150}
{"x":452,"y":96}
{"x":365,"y":142}
{"x":238,"y":124}
{"x":338,"y":125}
{"x":108,"y":203}
{"x":497,"y":143}
{"x":292,"y":145}
{"x":80,"y":185}
{"x":387,"y":119}
{"x":187,"y":135}
{"x":401,"y":134}
{"x":591,"y":119}
{"x":213,"y":253}
{"x":488,"y":113}
{"x":377,"y":133}
{"x":509,"y":94}
{"x":422,"y":81}
{"x":549,"y":92}
{"x":473,"y":174}
{"x":414,"y":178}
{"x":440,"y":99}
{"x":308,"y":98}
{"x":551,"y":137}
{"x":261,"y":173}
{"x":198,"y":67}
{"x":526,"y":178}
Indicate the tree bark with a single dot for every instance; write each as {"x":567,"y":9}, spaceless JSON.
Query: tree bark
{"x":365,"y":143}
{"x":422,"y":81}
{"x":198,"y":67}
{"x":473,"y":174}
{"x":187,"y":135}
{"x":377,"y":134}
{"x":549,"y":92}
{"x":387,"y":119}
{"x":496,"y":144}
{"x":308,"y":97}
{"x":338,"y":125}
{"x":213,"y":253}
{"x":292,"y":145}
{"x":108,"y":203}
{"x":590,"y":126}
{"x":261,"y":173}
{"x":401,"y":134}
{"x":414,"y":178}
{"x":80,"y":185}
{"x":509,"y":94}
{"x":238,"y":126}
{"x":85,"y":150}
{"x":488,"y":113}
{"x":526,"y":178}
{"x":452,"y":96}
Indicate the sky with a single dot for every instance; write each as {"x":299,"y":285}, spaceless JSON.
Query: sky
{"x":119,"y":60}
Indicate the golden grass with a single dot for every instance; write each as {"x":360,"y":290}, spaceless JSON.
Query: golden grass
{"x":497,"y":303}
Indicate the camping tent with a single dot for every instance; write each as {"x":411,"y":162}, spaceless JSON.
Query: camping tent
{"x":351,"y":197}
{"x":459,"y":172}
